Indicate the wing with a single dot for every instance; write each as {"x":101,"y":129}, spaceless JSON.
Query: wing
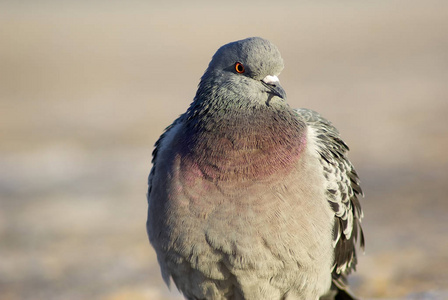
{"x":160,"y":146}
{"x":156,"y":150}
{"x":342,"y":191}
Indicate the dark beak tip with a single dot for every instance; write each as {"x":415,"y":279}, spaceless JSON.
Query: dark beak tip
{"x":275,"y":90}
{"x":279,"y":91}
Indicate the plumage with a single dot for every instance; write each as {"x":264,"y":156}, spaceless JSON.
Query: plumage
{"x":249,"y":198}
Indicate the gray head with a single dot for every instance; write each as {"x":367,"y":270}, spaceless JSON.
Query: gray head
{"x":243,"y":70}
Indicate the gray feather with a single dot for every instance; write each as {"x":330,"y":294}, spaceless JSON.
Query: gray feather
{"x":248,"y":198}
{"x":343,"y":189}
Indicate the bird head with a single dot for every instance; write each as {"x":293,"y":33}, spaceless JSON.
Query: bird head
{"x":245,"y":70}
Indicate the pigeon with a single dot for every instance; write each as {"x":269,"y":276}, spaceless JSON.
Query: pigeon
{"x":249,"y":198}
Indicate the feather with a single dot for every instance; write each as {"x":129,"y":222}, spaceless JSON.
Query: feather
{"x":342,"y":190}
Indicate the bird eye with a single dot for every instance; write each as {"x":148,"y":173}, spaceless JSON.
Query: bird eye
{"x":239,"y":68}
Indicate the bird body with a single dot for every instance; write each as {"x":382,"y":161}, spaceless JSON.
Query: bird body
{"x":248,"y":198}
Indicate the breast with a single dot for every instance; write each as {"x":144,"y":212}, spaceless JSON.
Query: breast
{"x":276,"y":227}
{"x":242,"y":194}
{"x":245,"y":203}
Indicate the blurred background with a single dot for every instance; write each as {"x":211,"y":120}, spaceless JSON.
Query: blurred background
{"x":87,"y":87}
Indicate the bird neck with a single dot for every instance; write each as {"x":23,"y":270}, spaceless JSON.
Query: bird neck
{"x":243,"y":140}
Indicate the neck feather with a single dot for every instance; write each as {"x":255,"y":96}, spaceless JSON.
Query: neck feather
{"x":242,"y":142}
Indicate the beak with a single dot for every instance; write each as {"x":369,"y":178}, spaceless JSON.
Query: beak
{"x":273,"y":85}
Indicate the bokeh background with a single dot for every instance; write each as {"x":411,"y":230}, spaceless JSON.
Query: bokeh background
{"x":87,"y":87}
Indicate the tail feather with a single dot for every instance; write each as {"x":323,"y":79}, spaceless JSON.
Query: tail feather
{"x":344,"y":295}
{"x":338,"y":293}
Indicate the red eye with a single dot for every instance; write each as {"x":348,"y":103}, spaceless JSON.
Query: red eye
{"x":239,"y":68}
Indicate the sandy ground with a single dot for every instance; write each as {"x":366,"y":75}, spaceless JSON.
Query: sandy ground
{"x":86,"y":90}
